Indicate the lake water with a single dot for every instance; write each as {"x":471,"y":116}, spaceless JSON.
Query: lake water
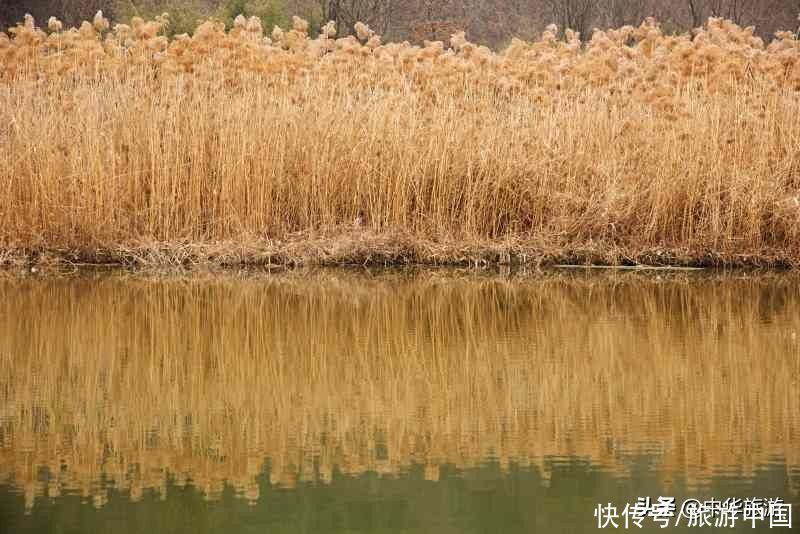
{"x":338,"y":401}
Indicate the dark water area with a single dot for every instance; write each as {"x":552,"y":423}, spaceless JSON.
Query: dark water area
{"x":337,"y":401}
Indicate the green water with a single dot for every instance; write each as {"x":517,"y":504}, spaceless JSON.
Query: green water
{"x":392,"y":401}
{"x":480,"y":500}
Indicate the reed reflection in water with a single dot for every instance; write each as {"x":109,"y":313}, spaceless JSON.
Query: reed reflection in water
{"x":137,"y":384}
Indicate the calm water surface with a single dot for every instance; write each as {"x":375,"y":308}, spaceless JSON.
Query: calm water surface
{"x":392,"y":402}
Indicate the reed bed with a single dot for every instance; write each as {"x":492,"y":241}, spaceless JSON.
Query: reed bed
{"x":127,"y":383}
{"x":232,"y":146}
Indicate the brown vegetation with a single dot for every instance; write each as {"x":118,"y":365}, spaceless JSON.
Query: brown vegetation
{"x":637,"y":146}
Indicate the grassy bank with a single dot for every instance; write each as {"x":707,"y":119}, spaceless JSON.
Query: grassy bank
{"x":121,"y":145}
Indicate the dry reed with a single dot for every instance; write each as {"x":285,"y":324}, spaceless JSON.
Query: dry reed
{"x":638,"y":146}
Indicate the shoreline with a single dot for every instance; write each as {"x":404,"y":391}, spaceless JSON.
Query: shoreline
{"x":641,"y":148}
{"x":391,"y":249}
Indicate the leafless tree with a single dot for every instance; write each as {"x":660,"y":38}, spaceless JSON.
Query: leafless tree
{"x":71,"y":12}
{"x":345,"y":13}
{"x":578,"y":15}
{"x":625,"y":12}
{"x":497,"y":21}
{"x":491,"y":22}
{"x":734,"y":10}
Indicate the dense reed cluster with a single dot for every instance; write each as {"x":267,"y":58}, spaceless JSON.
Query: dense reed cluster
{"x":633,"y":144}
{"x":124,"y":384}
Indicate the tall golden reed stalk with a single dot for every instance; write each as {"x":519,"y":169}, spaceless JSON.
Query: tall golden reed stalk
{"x":119,"y":144}
{"x":138,"y":380}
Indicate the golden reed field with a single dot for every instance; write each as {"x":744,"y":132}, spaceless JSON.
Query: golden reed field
{"x":120,"y":144}
{"x":201,"y":380}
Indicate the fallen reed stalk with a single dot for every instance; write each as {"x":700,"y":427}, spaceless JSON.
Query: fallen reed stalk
{"x":120,"y":145}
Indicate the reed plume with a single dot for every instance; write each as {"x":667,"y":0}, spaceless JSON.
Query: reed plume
{"x":637,"y":145}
